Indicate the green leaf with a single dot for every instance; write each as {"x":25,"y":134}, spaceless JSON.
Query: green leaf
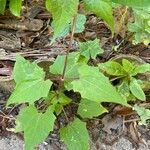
{"x":112,"y":68}
{"x":143,"y":113}
{"x":90,"y":49}
{"x":63,"y":13}
{"x":133,"y":3}
{"x":136,"y":89}
{"x":75,"y":135}
{"x":140,"y":26}
{"x":31,"y":85}
{"x":30,"y":91}
{"x":103,"y":9}
{"x":24,"y":70}
{"x":36,"y":126}
{"x":2,"y":6}
{"x":94,"y":86}
{"x":15,"y":7}
{"x":124,"y":89}
{"x":81,"y":20}
{"x":71,"y":69}
{"x":128,"y":66}
{"x":90,"y":109}
{"x":143,"y":68}
{"x":59,"y":101}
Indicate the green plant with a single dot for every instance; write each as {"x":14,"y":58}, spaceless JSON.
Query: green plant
{"x":79,"y":77}
{"x":141,"y":26}
{"x":126,"y":72}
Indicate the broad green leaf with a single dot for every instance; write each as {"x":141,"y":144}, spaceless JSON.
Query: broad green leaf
{"x":30,"y":91}
{"x":112,"y":68}
{"x":81,"y":20}
{"x":143,"y":113}
{"x":143,"y":68}
{"x":136,"y":89}
{"x":133,"y":3}
{"x":128,"y":66}
{"x":75,"y":135}
{"x":90,"y":49}
{"x":94,"y":86}
{"x":15,"y":7}
{"x":2,"y":6}
{"x":63,"y":13}
{"x":24,"y":70}
{"x":31,"y":85}
{"x":103,"y":9}
{"x":36,"y":126}
{"x":71,"y":69}
{"x":90,"y":109}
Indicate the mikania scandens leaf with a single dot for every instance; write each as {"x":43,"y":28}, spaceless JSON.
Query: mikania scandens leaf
{"x":15,"y":7}
{"x":30,"y":82}
{"x":90,"y":49}
{"x":63,"y":13}
{"x":94,"y":86}
{"x":136,"y":89}
{"x":90,"y":109}
{"x":29,"y":91}
{"x":75,"y":135}
{"x":103,"y":9}
{"x":72,"y":65}
{"x":36,"y":126}
{"x":25,"y":70}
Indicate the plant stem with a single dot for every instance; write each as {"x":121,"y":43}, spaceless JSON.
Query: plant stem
{"x":70,"y":45}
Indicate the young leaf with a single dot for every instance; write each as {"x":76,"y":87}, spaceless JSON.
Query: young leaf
{"x":90,"y":109}
{"x":59,"y":101}
{"x":15,"y":7}
{"x":90,"y":49}
{"x":30,"y":82}
{"x":124,"y":89}
{"x":133,"y":3}
{"x":142,"y":68}
{"x":75,"y":135}
{"x":136,"y":89}
{"x":128,"y":66}
{"x":2,"y":6}
{"x":71,"y":69}
{"x":63,"y":13}
{"x":94,"y":86}
{"x":81,"y":20}
{"x":143,"y":113}
{"x":36,"y":126}
{"x":112,"y":68}
{"x":103,"y":9}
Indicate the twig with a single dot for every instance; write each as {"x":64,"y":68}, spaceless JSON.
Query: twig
{"x":69,"y":47}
